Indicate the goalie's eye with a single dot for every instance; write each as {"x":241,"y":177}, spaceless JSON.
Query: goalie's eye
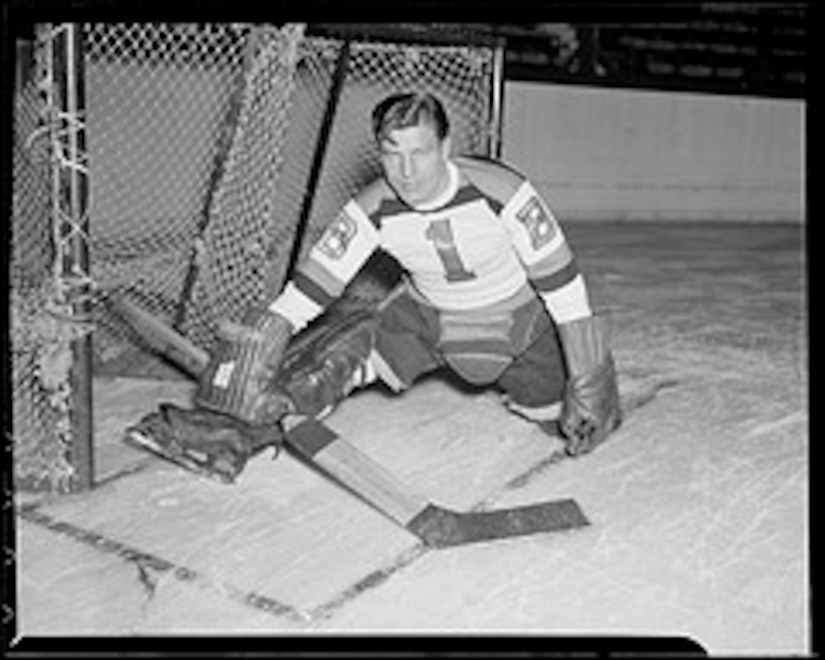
{"x":390,"y":157}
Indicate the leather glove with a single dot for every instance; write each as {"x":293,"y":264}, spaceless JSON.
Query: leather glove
{"x":591,"y":408}
{"x":242,"y":366}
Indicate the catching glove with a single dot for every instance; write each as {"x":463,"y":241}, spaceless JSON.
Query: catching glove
{"x":202,"y":441}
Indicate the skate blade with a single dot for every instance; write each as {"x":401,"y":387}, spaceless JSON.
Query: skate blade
{"x":141,"y":440}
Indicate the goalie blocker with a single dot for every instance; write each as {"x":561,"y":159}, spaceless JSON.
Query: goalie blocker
{"x":242,"y":367}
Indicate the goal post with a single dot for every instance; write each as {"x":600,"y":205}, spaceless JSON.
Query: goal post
{"x":212,"y":157}
{"x":50,"y":331}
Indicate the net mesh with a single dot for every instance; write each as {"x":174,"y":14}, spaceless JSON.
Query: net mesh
{"x":46,"y":228}
{"x":41,"y":454}
{"x":159,"y":102}
{"x":235,"y":248}
{"x":200,"y":141}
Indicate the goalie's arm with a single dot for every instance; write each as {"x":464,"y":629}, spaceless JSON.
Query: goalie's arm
{"x":332,"y":262}
{"x":543,"y":249}
{"x":591,"y":407}
{"x":250,"y":353}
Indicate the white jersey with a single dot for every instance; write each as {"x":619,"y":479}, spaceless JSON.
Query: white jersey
{"x":485,"y":239}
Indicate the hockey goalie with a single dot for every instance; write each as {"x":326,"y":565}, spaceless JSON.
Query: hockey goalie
{"x":491,"y":291}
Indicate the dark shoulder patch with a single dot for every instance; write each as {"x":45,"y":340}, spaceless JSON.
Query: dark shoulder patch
{"x":374,"y":198}
{"x":492,"y":177}
{"x":370,"y":196}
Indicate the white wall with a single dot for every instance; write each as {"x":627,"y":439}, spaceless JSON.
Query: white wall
{"x":636,"y":154}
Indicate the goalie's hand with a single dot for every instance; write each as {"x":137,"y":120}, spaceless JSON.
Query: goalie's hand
{"x":590,"y":410}
{"x":245,"y":362}
{"x":591,"y":407}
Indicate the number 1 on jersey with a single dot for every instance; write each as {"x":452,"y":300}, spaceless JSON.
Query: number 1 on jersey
{"x":441,"y":234}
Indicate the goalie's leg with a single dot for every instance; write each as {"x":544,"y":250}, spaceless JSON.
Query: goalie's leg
{"x":390,"y":345}
{"x":326,"y":369}
{"x":534,"y":384}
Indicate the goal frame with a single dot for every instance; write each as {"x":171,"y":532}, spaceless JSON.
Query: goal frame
{"x":70,"y":183}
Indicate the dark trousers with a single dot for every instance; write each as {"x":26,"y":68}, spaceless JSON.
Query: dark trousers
{"x":407,"y":340}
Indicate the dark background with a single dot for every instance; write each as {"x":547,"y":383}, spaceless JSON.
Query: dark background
{"x":747,"y":48}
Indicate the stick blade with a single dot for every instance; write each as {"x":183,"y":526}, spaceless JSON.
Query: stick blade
{"x":441,"y":528}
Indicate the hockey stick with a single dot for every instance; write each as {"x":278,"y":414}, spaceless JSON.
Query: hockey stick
{"x":435,"y":525}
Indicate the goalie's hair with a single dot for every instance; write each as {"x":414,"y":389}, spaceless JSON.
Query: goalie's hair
{"x":409,"y":109}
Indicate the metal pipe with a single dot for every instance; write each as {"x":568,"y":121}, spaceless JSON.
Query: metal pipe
{"x":77,"y":262}
{"x":226,"y":138}
{"x":318,"y":158}
{"x":497,"y":101}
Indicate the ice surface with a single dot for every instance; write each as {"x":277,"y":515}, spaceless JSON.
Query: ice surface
{"x":699,"y":502}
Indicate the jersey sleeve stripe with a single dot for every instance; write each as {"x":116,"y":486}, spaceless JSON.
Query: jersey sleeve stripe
{"x":551,"y":263}
{"x":557,"y":279}
{"x":569,"y":303}
{"x":487,"y":346}
{"x":322,"y":277}
{"x":296,"y":307}
{"x":312,"y":290}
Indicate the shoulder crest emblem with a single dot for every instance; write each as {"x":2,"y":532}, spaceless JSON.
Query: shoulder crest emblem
{"x":338,"y":236}
{"x":537,"y":220}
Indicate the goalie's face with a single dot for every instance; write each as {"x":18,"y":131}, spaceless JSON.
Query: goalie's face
{"x":415,"y":163}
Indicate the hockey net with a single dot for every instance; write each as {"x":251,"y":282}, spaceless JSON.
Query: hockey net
{"x":201,"y":161}
{"x":202,"y":148}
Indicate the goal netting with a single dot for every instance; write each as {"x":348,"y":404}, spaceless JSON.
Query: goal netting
{"x":215,"y":154}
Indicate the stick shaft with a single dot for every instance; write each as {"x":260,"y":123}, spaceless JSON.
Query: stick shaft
{"x":356,"y":470}
{"x":161,"y":337}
